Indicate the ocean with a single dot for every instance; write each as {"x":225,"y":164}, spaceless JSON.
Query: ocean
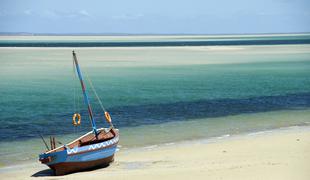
{"x":158,"y":89}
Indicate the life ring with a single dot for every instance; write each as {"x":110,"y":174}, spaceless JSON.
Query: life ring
{"x":107,"y":117}
{"x":78,"y":116}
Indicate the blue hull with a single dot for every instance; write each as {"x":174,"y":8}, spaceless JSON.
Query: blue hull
{"x":79,"y":158}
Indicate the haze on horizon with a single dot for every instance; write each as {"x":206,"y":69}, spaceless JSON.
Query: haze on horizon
{"x":155,"y":16}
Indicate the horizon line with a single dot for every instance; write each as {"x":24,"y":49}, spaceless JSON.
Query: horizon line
{"x":137,"y":34}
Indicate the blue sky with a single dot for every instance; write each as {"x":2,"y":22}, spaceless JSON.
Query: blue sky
{"x":155,"y":16}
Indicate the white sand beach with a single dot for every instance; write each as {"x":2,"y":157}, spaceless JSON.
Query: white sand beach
{"x":282,"y":154}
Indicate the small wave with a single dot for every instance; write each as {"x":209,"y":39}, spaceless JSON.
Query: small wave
{"x":223,"y":136}
{"x":169,"y":144}
{"x":150,"y":147}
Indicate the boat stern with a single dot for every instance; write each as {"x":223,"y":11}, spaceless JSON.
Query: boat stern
{"x":49,"y":158}
{"x":44,"y":159}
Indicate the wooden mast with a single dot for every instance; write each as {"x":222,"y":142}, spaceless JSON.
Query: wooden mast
{"x":86,"y":99}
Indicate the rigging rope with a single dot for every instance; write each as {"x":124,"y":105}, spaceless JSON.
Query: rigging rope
{"x":74,"y":88}
{"x":76,"y":96}
{"x":98,"y":98}
{"x":94,"y":90}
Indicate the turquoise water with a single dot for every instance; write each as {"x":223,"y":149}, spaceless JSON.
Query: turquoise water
{"x":155,"y":95}
{"x":152,"y":41}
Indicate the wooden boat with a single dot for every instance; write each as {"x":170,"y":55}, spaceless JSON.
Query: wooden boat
{"x":95,"y":148}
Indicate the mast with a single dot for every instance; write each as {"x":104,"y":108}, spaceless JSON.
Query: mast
{"x":86,"y":99}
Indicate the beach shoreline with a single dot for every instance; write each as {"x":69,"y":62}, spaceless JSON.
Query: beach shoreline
{"x":284,"y":153}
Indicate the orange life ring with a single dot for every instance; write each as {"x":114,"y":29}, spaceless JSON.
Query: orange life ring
{"x":78,"y":116}
{"x":107,"y":117}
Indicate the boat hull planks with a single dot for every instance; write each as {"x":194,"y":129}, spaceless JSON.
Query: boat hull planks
{"x":71,"y":167}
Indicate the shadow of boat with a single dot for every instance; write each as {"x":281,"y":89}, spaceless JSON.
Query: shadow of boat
{"x":50,"y":172}
{"x":44,"y":173}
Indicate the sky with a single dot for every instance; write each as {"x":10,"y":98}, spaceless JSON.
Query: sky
{"x":155,"y":16}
